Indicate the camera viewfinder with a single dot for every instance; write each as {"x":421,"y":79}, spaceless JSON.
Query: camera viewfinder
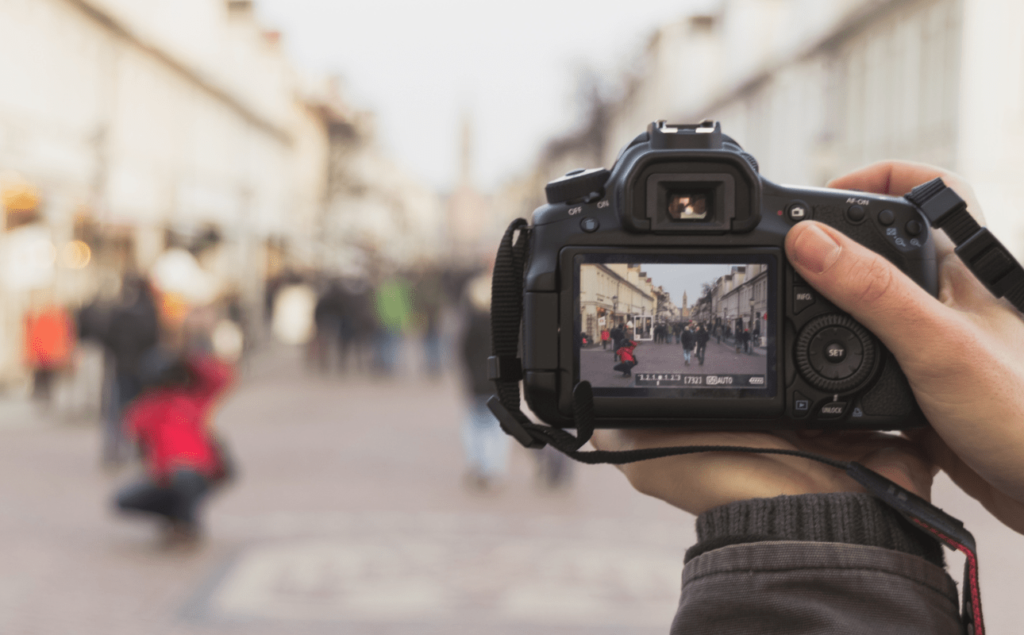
{"x":688,"y":206}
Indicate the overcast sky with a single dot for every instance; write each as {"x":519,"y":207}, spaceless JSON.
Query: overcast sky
{"x":679,"y":277}
{"x":511,"y":65}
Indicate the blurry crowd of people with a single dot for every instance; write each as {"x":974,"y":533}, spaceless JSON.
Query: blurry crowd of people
{"x":375,"y":324}
{"x":361,"y":323}
{"x":684,"y":332}
{"x":168,"y":359}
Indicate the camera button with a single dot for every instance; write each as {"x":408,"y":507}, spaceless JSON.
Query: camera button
{"x":832,"y":410}
{"x":801,"y":404}
{"x":913,"y":228}
{"x":855,"y":213}
{"x":803,"y":297}
{"x":886,"y":217}
{"x":798,"y":211}
{"x":835,"y":352}
{"x":589,"y":224}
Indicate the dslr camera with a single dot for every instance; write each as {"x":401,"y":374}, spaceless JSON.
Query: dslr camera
{"x":664,"y":284}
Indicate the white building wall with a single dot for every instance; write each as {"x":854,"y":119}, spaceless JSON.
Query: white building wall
{"x":990,"y":137}
{"x":849,"y":83}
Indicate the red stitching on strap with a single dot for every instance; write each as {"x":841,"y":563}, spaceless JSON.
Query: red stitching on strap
{"x":972,"y":567}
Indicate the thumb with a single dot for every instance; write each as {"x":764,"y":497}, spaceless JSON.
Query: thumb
{"x":908,"y":320}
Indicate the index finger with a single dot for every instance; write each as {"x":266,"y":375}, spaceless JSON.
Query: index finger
{"x":894,"y":178}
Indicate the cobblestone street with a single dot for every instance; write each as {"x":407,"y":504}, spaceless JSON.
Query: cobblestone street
{"x":350,"y":516}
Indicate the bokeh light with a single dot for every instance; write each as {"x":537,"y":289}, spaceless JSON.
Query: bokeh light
{"x":76,"y":254}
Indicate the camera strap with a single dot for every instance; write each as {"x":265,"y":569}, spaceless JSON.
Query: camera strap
{"x":982,"y":252}
{"x":505,"y":370}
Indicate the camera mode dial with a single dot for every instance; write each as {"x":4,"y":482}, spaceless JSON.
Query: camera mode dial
{"x":577,"y":185}
{"x":834,"y":353}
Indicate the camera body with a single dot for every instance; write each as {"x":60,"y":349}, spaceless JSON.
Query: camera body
{"x":664,"y":283}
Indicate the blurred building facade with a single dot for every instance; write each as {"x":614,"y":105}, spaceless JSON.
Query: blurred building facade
{"x":130,"y":126}
{"x":815,"y":89}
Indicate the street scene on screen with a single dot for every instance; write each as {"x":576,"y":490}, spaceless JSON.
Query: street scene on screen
{"x":673,"y":325}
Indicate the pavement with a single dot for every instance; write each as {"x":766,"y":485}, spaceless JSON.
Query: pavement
{"x":351,"y":515}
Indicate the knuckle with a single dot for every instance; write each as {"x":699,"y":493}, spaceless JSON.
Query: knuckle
{"x":873,"y":282}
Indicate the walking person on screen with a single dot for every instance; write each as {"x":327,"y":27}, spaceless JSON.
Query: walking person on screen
{"x":689,"y":341}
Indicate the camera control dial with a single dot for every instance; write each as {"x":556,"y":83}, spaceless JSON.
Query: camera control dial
{"x":577,"y":185}
{"x":834,"y":353}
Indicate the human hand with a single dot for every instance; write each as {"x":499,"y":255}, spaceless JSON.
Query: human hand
{"x":699,"y":482}
{"x":960,"y":352}
{"x":936,"y":342}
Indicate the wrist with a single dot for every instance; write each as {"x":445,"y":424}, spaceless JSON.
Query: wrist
{"x":849,"y":518}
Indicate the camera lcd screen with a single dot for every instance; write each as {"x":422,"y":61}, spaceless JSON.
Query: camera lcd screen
{"x":656,"y":325}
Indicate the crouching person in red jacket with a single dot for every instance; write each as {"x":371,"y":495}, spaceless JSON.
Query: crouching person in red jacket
{"x":169,"y":422}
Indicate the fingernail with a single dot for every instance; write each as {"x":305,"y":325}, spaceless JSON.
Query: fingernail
{"x":815,"y":250}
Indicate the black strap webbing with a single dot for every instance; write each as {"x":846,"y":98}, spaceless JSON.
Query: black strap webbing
{"x":983,"y":254}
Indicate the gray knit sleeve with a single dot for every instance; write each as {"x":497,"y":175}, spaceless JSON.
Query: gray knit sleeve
{"x":857,"y":519}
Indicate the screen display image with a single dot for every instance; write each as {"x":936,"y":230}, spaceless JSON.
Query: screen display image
{"x":671,"y":325}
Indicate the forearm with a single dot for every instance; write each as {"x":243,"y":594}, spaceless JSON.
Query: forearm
{"x":814,"y":563}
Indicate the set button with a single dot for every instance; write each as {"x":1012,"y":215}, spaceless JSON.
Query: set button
{"x":834,"y":353}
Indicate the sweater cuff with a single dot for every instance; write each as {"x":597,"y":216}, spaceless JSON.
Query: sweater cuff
{"x":856,"y":519}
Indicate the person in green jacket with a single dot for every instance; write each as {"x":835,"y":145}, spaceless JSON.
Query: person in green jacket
{"x":394,"y":311}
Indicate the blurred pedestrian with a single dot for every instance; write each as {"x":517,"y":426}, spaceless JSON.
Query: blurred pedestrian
{"x":49,"y":347}
{"x":605,"y":337}
{"x":485,"y":444}
{"x":170,"y":422}
{"x":689,"y":341}
{"x":394,"y":310}
{"x":617,"y":335}
{"x":132,"y":331}
{"x":359,"y":324}
{"x":429,"y":301}
{"x":328,"y":315}
{"x":701,"y":336}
